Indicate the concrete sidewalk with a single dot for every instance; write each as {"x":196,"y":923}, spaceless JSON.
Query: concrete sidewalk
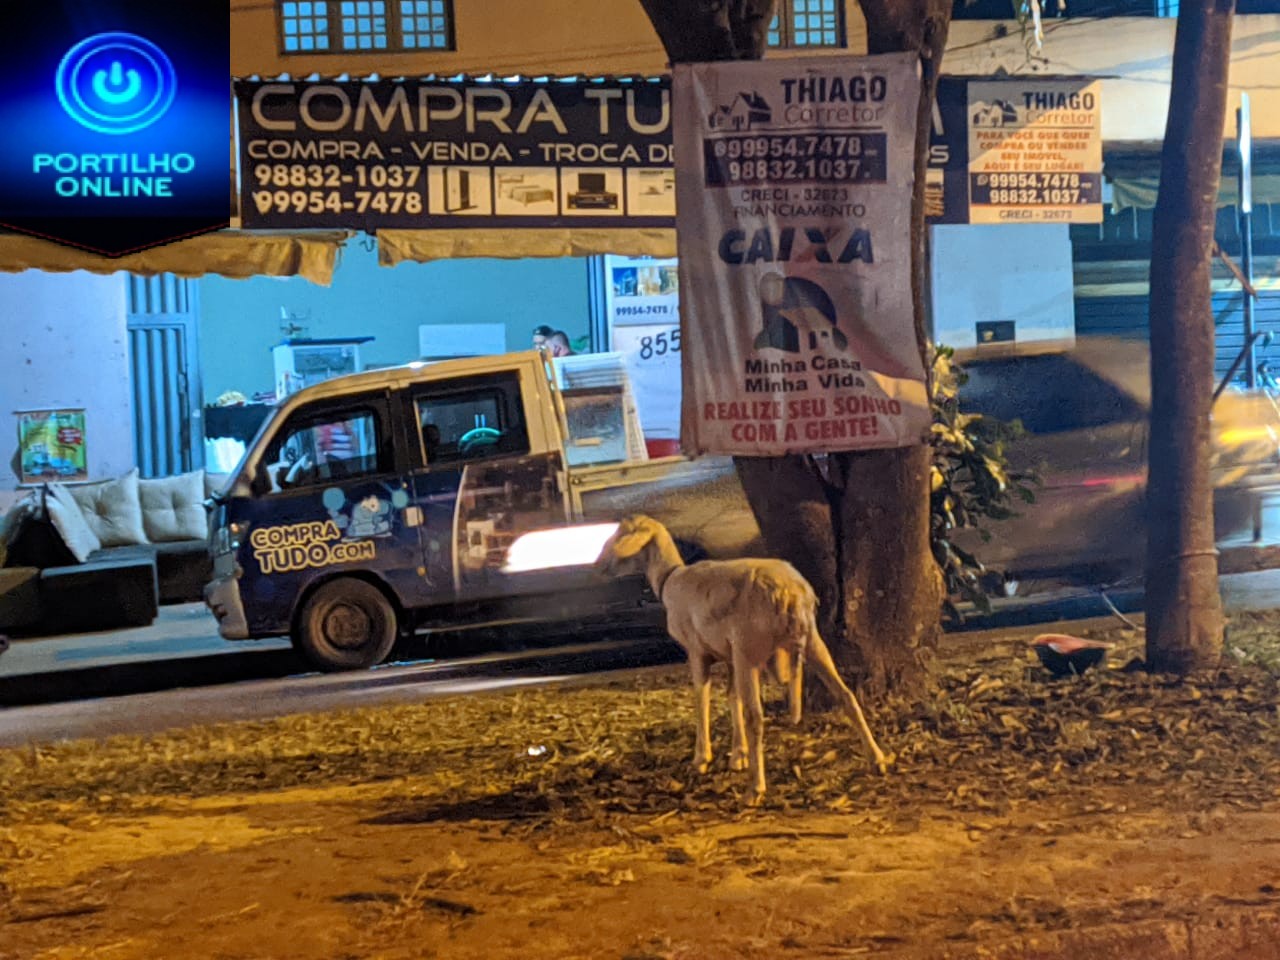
{"x":180,"y":630}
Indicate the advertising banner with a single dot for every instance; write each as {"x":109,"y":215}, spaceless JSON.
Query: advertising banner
{"x":421,"y":153}
{"x":946,"y":188}
{"x":642,"y":298}
{"x":115,"y":121}
{"x":794,"y":180}
{"x":1035,"y":151}
{"x":51,"y":446}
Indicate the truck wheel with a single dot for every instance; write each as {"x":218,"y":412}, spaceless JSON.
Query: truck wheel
{"x":347,"y":624}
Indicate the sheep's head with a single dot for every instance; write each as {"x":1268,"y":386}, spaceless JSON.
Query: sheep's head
{"x":623,"y":553}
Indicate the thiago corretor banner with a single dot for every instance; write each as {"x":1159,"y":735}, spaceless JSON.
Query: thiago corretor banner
{"x":426,"y":152}
{"x":794,"y":182}
{"x":1035,"y":151}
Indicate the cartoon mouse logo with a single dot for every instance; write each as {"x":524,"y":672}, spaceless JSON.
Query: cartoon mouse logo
{"x":370,"y":516}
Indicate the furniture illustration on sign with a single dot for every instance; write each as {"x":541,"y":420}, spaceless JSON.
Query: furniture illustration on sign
{"x":591,"y":193}
{"x":457,"y":190}
{"x":527,"y":193}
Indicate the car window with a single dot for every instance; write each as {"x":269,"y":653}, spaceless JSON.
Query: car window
{"x":472,"y":419}
{"x":327,"y":449}
{"x":1051,"y":393}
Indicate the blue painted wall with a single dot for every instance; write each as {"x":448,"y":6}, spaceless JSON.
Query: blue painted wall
{"x":240,"y":319}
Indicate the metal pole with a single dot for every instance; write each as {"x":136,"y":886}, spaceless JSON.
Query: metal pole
{"x":1244,"y":140}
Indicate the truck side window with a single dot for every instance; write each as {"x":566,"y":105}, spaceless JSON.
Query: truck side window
{"x":331,"y":449}
{"x":472,"y":418}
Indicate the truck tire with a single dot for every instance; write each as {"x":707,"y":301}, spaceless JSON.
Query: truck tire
{"x":347,"y":624}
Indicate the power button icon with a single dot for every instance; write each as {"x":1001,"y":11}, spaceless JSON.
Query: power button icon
{"x":115,"y":83}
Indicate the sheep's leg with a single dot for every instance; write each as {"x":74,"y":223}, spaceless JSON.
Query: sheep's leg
{"x":747,"y":680}
{"x":826,"y":670}
{"x":738,"y":757}
{"x":795,"y":692}
{"x":700,"y":667}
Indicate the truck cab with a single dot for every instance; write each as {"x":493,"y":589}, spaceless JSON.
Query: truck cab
{"x":372,"y":503}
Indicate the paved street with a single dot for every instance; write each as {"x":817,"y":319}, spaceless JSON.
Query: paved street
{"x":178,"y":669}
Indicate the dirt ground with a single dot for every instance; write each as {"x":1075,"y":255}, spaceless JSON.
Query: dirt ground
{"x":567,"y":824}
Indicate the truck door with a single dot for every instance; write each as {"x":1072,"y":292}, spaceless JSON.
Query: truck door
{"x":479,"y":483}
{"x":334,"y":499}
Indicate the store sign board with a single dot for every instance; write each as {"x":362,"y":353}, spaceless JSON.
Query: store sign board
{"x":794,"y":183}
{"x":946,"y":185}
{"x":642,"y":298}
{"x":1035,"y":151}
{"x":422,"y":153}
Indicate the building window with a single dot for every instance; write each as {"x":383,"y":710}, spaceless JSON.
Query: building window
{"x":364,"y":24}
{"x":808,"y":23}
{"x":344,"y":26}
{"x":424,"y":25}
{"x":305,"y":25}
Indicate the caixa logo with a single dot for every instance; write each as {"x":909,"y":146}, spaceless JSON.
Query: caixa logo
{"x":116,"y":83}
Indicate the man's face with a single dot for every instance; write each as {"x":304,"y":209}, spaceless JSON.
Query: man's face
{"x":539,"y":341}
{"x":558,"y":349}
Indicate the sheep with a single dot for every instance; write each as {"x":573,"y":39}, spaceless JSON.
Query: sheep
{"x":745,"y":613}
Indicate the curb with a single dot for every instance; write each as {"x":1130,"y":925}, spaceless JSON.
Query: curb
{"x":1239,"y":934}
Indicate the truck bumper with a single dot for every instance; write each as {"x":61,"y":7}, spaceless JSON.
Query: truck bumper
{"x":222,"y":597}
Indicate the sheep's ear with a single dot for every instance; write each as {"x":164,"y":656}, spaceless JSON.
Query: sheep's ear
{"x":629,"y":544}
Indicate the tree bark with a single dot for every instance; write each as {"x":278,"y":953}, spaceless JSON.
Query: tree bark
{"x":1184,"y":611}
{"x":860,"y":532}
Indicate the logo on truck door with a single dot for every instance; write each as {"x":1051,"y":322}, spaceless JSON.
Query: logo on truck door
{"x":298,"y":546}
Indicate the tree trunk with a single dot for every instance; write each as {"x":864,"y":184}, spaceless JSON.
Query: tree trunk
{"x":1184,"y":611}
{"x":860,"y":532}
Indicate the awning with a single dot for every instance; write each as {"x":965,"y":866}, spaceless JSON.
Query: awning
{"x":1134,"y":173}
{"x":399,"y":246}
{"x":230,"y":253}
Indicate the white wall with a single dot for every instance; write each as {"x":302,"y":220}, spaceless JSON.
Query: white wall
{"x":1019,"y":272}
{"x":1136,"y":53}
{"x":65,"y":345}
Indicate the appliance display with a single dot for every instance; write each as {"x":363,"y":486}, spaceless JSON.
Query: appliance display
{"x":591,"y":194}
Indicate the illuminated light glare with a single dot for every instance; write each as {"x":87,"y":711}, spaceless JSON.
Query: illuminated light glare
{"x":558,"y":547}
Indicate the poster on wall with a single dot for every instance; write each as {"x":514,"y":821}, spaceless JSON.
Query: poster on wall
{"x":794,"y":183}
{"x":642,"y":298}
{"x":51,"y":446}
{"x":424,"y":152}
{"x":1035,"y":151}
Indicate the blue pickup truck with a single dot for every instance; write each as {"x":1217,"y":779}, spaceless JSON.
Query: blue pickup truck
{"x":460,"y":492}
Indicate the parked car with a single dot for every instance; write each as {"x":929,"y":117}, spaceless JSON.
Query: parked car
{"x":1086,"y":416}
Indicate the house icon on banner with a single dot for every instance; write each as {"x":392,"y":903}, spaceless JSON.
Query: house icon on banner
{"x":746,"y":110}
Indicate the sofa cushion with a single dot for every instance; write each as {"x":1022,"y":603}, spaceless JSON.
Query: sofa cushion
{"x":173,"y":508}
{"x":112,"y":509}
{"x":11,"y":523}
{"x":68,"y":519}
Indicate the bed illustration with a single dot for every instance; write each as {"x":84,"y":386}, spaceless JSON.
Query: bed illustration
{"x":527,"y":193}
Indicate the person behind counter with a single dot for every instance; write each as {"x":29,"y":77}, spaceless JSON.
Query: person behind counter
{"x":559,"y":343}
{"x":541,"y":335}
